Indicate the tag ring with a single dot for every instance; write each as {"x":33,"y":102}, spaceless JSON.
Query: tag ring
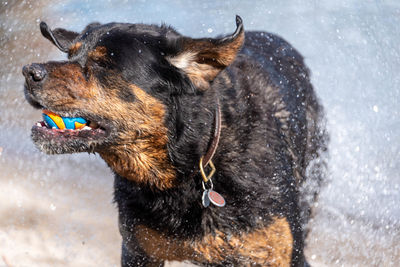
{"x":204,"y":185}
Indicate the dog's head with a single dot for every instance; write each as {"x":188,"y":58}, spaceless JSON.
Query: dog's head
{"x":120,"y":77}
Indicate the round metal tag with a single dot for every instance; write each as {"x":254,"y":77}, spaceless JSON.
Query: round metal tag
{"x":216,"y":198}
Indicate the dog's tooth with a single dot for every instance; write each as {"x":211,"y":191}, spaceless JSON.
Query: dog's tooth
{"x":93,"y":125}
{"x":86,"y":128}
{"x":38,"y":124}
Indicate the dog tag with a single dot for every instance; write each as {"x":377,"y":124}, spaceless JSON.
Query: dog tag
{"x":215,"y":198}
{"x":205,"y":200}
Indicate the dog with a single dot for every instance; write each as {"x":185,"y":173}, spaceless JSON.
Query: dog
{"x":211,"y":140}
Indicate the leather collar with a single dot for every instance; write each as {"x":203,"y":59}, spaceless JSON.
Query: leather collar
{"x":206,"y":159}
{"x":217,"y":133}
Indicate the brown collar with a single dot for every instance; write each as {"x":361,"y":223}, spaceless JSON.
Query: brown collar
{"x":217,"y":133}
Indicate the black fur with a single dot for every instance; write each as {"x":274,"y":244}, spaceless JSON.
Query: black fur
{"x":271,"y":131}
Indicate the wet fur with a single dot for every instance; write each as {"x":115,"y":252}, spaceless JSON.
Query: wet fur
{"x":155,"y":92}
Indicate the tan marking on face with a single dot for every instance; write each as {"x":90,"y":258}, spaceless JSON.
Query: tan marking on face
{"x":98,"y":53}
{"x":74,"y":48}
{"x":140,"y":153}
{"x":270,"y":245}
{"x":66,"y":87}
{"x":139,"y":150}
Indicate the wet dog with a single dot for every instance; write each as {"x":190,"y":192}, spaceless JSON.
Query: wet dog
{"x":210,"y":140}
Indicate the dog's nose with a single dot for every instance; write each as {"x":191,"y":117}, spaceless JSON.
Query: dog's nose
{"x":34,"y":72}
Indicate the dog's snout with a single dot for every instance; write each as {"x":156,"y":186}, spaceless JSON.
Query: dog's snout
{"x":34,"y":72}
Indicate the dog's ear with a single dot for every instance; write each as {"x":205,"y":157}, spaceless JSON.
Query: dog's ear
{"x":203,"y":59}
{"x":61,"y":38}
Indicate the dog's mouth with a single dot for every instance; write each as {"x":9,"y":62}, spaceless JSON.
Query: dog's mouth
{"x":90,"y":129}
{"x":56,"y":139}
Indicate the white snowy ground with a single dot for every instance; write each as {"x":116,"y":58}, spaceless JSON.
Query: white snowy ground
{"x":58,"y":211}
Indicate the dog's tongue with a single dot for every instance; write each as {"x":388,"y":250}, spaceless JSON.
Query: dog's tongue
{"x":54,"y":120}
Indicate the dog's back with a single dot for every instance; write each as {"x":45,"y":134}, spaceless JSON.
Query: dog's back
{"x":302,"y":116}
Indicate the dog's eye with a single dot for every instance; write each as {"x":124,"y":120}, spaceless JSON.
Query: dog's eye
{"x":98,"y":63}
{"x":86,"y":72}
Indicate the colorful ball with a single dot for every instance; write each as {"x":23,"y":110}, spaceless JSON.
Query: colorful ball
{"x":55,"y":121}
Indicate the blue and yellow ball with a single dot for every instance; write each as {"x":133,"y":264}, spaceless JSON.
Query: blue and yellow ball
{"x":55,"y":121}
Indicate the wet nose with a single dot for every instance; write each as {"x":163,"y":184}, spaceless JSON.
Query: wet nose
{"x":34,"y":72}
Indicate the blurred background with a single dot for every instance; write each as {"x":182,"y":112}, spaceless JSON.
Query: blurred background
{"x":58,"y":210}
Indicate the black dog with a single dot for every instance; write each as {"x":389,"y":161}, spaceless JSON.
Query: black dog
{"x":209,"y":139}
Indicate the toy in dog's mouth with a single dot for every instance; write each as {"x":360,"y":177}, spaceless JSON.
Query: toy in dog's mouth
{"x":55,"y":121}
{"x":57,"y":134}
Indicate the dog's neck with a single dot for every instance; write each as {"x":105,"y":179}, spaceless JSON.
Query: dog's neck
{"x":144,"y":162}
{"x":162,"y":160}
{"x":197,"y":136}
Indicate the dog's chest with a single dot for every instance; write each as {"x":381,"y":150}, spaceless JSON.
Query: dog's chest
{"x":264,"y":246}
